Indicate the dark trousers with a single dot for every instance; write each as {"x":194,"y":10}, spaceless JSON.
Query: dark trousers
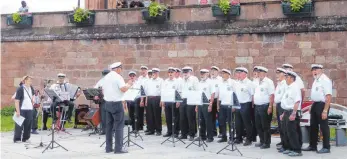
{"x":263,"y":122}
{"x":45,"y":119}
{"x":316,"y":119}
{"x":187,"y":119}
{"x":34,"y":124}
{"x":131,"y":108}
{"x":214,"y":117}
{"x":279,"y":112}
{"x":290,"y":132}
{"x":102,"y":114}
{"x":243,"y":120}
{"x":205,"y":119}
{"x":69,"y":112}
{"x":224,"y":119}
{"x":154,"y":114}
{"x":172,"y":118}
{"x":254,"y":128}
{"x":114,"y":119}
{"x":25,"y":128}
{"x":139,"y":112}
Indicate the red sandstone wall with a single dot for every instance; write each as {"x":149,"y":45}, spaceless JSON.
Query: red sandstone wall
{"x":83,"y":60}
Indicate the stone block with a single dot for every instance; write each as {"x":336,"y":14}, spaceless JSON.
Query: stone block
{"x":244,"y":60}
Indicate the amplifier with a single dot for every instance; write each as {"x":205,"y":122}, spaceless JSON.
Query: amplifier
{"x":93,"y":117}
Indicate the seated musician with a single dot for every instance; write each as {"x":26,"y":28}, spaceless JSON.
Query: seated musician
{"x":62,"y":86}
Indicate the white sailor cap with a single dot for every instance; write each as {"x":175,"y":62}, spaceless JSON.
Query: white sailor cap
{"x":215,"y":67}
{"x":291,"y":73}
{"x":241,"y":69}
{"x":187,"y":68}
{"x":178,"y":70}
{"x":132,"y":72}
{"x":171,"y":69}
{"x":155,"y":70}
{"x":286,"y":65}
{"x":226,"y":71}
{"x":280,"y":70}
{"x":316,"y":66}
{"x":255,"y":68}
{"x":262,"y":69}
{"x":61,"y":75}
{"x":144,"y":67}
{"x":115,"y":65}
{"x":150,"y":71}
{"x":204,"y":71}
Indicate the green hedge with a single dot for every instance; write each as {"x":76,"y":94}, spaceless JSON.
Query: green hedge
{"x":7,"y":111}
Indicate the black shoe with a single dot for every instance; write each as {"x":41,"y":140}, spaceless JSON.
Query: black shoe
{"x":120,"y":152}
{"x":258,"y":144}
{"x":209,"y":140}
{"x":149,"y":133}
{"x":237,"y":141}
{"x":264,"y":146}
{"x":222,"y":140}
{"x":176,"y":135}
{"x":34,"y":131}
{"x":191,"y":138}
{"x":247,"y":143}
{"x":158,"y":134}
{"x":44,"y":128}
{"x":309,"y":148}
{"x":146,"y":131}
{"x":279,"y":144}
{"x":16,"y":141}
{"x":220,"y":136}
{"x":323,"y":150}
{"x":167,"y":135}
{"x":182,"y":137}
{"x":281,"y":150}
{"x":108,"y":151}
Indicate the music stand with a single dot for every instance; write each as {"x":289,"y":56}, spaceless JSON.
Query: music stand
{"x":128,"y":141}
{"x":90,"y":93}
{"x":197,"y":102}
{"x":131,"y":96}
{"x":173,"y":100}
{"x":236,"y":105}
{"x":53,"y":95}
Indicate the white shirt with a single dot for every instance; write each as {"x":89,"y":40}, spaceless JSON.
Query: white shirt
{"x":280,"y":89}
{"x":112,"y":84}
{"x":255,"y":82}
{"x":216,"y":81}
{"x":60,"y":87}
{"x":263,"y":91}
{"x":244,"y":90}
{"x":321,"y":87}
{"x":189,"y":84}
{"x":207,"y":86}
{"x":226,"y":86}
{"x":27,"y":102}
{"x":99,"y":83}
{"x":291,"y":96}
{"x":153,"y":86}
{"x":170,"y":84}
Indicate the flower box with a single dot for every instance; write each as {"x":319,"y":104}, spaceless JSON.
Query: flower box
{"x":161,"y":18}
{"x":26,"y":21}
{"x":233,"y":11}
{"x":87,"y":22}
{"x":305,"y":11}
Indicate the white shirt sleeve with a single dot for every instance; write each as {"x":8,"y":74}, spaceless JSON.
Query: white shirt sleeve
{"x":251,"y":88}
{"x":300,"y":84}
{"x":212,"y":87}
{"x":327,"y":87}
{"x":120,"y":82}
{"x":98,"y":84}
{"x":271,"y":87}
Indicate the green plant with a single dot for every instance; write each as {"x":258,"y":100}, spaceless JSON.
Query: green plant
{"x":156,"y":9}
{"x":224,"y":5}
{"x":81,"y":15}
{"x":16,"y":18}
{"x":296,"y":5}
{"x":7,"y":111}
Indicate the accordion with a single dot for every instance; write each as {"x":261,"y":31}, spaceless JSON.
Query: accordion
{"x":336,"y":122}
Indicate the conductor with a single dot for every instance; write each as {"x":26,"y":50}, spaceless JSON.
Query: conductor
{"x":114,"y":87}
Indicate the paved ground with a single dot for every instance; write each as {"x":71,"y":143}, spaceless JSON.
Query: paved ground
{"x":80,"y":145}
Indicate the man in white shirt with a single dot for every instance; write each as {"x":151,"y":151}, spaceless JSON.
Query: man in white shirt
{"x":132,"y":109}
{"x":321,"y":93}
{"x":140,"y":102}
{"x":255,"y":82}
{"x":102,"y":111}
{"x":244,"y":91}
{"x":279,"y":91}
{"x":24,"y":107}
{"x":171,"y":111}
{"x":263,"y":101}
{"x":114,"y":87}
{"x":153,"y":90}
{"x":290,"y":118}
{"x":207,"y":86}
{"x":187,"y":112}
{"x":216,"y":81}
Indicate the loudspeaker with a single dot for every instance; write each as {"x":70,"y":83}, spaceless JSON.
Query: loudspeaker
{"x":93,"y":117}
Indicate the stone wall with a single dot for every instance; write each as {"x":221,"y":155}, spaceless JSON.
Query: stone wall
{"x":192,"y":37}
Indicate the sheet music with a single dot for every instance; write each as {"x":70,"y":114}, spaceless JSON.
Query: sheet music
{"x":131,"y":95}
{"x":167,"y":95}
{"x":194,"y":98}
{"x":63,"y":95}
{"x":19,"y":120}
{"x":73,"y":90}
